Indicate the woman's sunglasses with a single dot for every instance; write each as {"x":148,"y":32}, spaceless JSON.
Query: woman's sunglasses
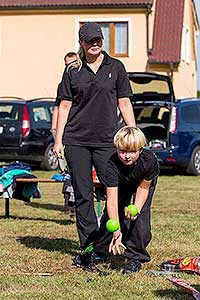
{"x":94,"y":40}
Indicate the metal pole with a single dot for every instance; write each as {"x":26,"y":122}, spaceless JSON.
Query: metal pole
{"x":7,"y":207}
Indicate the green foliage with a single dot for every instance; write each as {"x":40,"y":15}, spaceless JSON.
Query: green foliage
{"x":198,"y":94}
{"x":39,"y":241}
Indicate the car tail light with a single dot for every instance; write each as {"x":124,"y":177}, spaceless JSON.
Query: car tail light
{"x":173,"y":121}
{"x":171,"y":159}
{"x":25,"y":122}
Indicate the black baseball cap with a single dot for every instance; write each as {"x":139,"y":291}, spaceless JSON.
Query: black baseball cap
{"x":89,"y":31}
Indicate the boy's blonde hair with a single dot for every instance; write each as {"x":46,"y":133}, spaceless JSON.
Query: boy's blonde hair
{"x":129,"y":138}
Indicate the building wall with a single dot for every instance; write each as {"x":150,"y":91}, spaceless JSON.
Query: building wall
{"x":185,"y":75}
{"x":33,"y":44}
{"x":185,"y":79}
{"x":32,"y":47}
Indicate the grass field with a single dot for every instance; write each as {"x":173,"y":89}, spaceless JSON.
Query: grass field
{"x":38,"y":243}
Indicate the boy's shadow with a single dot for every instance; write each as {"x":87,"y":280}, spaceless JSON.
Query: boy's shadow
{"x":62,"y":245}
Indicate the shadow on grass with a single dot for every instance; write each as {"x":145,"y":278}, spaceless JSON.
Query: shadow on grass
{"x":62,"y":245}
{"x":116,"y":262}
{"x":61,"y":222}
{"x":176,"y":294}
{"x":49,"y":206}
{"x":173,"y":172}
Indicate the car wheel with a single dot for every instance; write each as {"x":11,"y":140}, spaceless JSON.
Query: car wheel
{"x":194,"y":164}
{"x":50,"y":161}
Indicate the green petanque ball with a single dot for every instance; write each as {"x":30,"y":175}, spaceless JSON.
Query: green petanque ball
{"x":133,"y":210}
{"x":112,"y":225}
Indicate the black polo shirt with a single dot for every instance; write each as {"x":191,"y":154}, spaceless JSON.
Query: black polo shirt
{"x":146,"y":167}
{"x":58,"y":96}
{"x":92,"y":119}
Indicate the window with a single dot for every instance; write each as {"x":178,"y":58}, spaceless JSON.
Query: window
{"x":41,"y":114}
{"x":144,"y":114}
{"x":191,"y":113}
{"x":115,"y":37}
{"x":186,"y":44}
{"x":9,"y":112}
{"x":147,"y":85}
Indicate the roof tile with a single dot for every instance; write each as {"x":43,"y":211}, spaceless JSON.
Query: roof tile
{"x":167,"y":31}
{"x":71,"y":3}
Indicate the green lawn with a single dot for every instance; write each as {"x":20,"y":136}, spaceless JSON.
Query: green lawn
{"x":38,"y":243}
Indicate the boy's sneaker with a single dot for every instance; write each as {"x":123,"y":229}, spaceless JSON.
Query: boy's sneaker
{"x":89,"y":258}
{"x":131,"y":266}
{"x":82,"y":260}
{"x":97,"y":258}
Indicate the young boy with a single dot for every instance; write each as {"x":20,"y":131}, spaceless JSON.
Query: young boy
{"x":131,"y":178}
{"x":71,"y":60}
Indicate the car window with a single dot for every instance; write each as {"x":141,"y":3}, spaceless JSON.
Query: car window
{"x":41,"y":113}
{"x":191,"y":113}
{"x":150,"y":113}
{"x":145,"y":113}
{"x":163,"y":113}
{"x":9,"y":111}
{"x":147,"y":85}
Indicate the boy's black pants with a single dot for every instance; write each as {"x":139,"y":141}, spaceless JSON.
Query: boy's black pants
{"x":80,"y":160}
{"x":136,"y":234}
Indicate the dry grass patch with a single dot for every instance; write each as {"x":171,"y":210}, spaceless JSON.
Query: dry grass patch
{"x":39,"y":241}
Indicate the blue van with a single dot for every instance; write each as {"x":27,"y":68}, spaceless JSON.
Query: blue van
{"x":171,"y":126}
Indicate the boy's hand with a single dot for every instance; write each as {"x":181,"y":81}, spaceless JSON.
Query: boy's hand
{"x":116,"y":243}
{"x":128,"y":215}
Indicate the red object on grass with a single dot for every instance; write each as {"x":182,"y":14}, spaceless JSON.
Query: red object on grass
{"x":187,"y":264}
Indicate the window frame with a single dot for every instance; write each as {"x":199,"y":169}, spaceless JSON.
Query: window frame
{"x":111,"y":22}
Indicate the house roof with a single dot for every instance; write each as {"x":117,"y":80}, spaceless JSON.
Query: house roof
{"x":167,"y":32}
{"x":15,"y":4}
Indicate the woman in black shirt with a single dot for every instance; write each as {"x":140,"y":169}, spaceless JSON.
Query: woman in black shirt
{"x":88,"y":121}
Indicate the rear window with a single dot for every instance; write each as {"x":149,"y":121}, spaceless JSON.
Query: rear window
{"x":191,"y":113}
{"x":151,"y":114}
{"x":41,"y":114}
{"x":148,"y":85}
{"x":9,"y":111}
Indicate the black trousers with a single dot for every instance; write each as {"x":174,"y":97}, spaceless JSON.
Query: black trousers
{"x":80,"y":160}
{"x":136,"y":234}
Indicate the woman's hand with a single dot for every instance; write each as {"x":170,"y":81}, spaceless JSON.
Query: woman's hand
{"x":58,"y":150}
{"x":116,"y":243}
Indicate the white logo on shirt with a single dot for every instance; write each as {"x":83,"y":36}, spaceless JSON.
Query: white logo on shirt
{"x":109,"y":75}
